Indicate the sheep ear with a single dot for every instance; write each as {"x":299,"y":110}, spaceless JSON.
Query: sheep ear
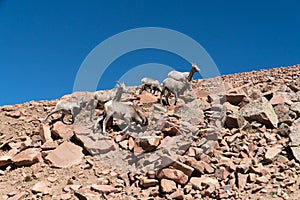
{"x":118,"y":83}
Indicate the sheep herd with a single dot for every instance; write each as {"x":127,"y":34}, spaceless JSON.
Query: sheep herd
{"x":176,"y":83}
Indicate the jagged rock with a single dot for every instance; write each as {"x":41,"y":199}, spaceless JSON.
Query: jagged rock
{"x":62,"y":130}
{"x":49,"y":145}
{"x":41,"y":187}
{"x":179,"y":194}
{"x":18,"y":196}
{"x":235,"y":98}
{"x":104,"y":188}
{"x":273,"y":152}
{"x":245,"y":165}
{"x":148,"y":182}
{"x":87,"y":194}
{"x":295,"y":133}
{"x":65,"y":155}
{"x":242,"y":180}
{"x":280,"y":99}
{"x":148,"y":143}
{"x":27,"y":157}
{"x":96,"y":144}
{"x":262,"y":179}
{"x":167,"y":186}
{"x":184,"y":168}
{"x":198,"y":183}
{"x":45,"y":133}
{"x":296,"y":108}
{"x":5,"y":160}
{"x":172,"y":174}
{"x":284,"y":114}
{"x":13,"y":114}
{"x":147,"y":98}
{"x":260,"y":110}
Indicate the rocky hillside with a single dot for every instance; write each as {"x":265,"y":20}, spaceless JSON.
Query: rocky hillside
{"x":232,"y":137}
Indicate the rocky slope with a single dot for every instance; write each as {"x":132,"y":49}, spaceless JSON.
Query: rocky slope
{"x":233,"y":137}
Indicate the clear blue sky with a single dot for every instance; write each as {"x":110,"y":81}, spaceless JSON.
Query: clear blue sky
{"x":43,"y":43}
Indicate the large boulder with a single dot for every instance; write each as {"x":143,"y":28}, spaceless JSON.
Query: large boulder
{"x":260,"y":110}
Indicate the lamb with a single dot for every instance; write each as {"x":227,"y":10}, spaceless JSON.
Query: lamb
{"x":173,"y":86}
{"x":181,"y":76}
{"x":153,"y":84}
{"x":67,"y":107}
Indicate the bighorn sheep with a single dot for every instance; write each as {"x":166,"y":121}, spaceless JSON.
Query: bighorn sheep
{"x":181,"y":76}
{"x":103,"y":97}
{"x":124,"y":111}
{"x":153,"y":84}
{"x":67,"y":107}
{"x":173,"y":86}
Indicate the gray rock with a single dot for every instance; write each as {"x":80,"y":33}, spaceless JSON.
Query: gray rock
{"x":260,"y":110}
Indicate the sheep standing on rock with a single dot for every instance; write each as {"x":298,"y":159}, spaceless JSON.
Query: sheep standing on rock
{"x":171,"y":85}
{"x":121,"y":110}
{"x":153,"y":84}
{"x":67,"y":107}
{"x":102,"y":97}
{"x":181,"y":76}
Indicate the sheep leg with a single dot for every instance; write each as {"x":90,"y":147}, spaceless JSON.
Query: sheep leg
{"x":161,"y":94}
{"x":153,"y":90}
{"x":100,"y":118}
{"x":93,"y":106}
{"x":128,"y":122}
{"x":73,"y":116}
{"x":176,"y":97}
{"x":167,"y":98}
{"x":51,"y":113}
{"x":141,"y":90}
{"x":107,"y":117}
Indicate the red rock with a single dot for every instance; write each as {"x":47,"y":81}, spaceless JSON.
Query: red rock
{"x":173,"y":174}
{"x":167,"y":186}
{"x":146,"y":182}
{"x":282,"y":159}
{"x":131,"y":143}
{"x":179,"y":194}
{"x":235,"y":98}
{"x":49,"y":145}
{"x":45,"y":133}
{"x":221,"y":173}
{"x":65,"y":155}
{"x":245,"y":164}
{"x":242,"y":180}
{"x":124,"y":144}
{"x":41,"y":187}
{"x":62,"y":130}
{"x":96,"y":144}
{"x":18,"y":196}
{"x":210,"y":189}
{"x":5,"y":160}
{"x":197,"y":182}
{"x":148,"y":143}
{"x":184,"y":168}
{"x":13,"y":114}
{"x":147,"y":98}
{"x":65,"y":196}
{"x":262,"y":179}
{"x":280,"y":99}
{"x":104,"y":188}
{"x":72,"y":187}
{"x":87,"y":194}
{"x":273,"y":152}
{"x":27,"y":157}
